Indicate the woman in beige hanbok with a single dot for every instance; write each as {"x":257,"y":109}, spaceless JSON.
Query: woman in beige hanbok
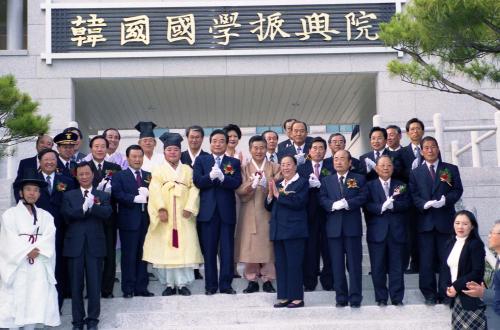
{"x":253,"y":246}
{"x":171,"y":243}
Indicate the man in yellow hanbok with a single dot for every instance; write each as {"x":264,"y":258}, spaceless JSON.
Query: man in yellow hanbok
{"x":171,"y":243}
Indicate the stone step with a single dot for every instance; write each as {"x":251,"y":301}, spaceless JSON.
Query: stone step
{"x":369,"y":317}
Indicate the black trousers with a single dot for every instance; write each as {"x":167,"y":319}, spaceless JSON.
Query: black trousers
{"x":386,"y":259}
{"x":289,"y":256}
{"x":109,"y":269}
{"x":134,"y":269}
{"x":217,"y":237}
{"x":411,"y":251}
{"x":91,"y":267}
{"x":432,"y":245}
{"x":316,"y":249}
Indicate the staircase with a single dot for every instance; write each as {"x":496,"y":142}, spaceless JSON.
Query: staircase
{"x":250,"y":311}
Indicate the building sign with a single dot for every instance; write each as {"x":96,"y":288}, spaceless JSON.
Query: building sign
{"x":99,"y":30}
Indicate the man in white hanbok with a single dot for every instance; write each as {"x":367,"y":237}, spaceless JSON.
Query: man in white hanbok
{"x":28,"y":295}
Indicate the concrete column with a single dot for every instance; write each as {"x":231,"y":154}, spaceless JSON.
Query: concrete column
{"x":15,"y":26}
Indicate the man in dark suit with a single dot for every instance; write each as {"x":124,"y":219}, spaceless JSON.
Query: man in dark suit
{"x":337,"y":142}
{"x":130,"y":190}
{"x":271,"y":138}
{"x":388,"y":202}
{"x":410,"y":158}
{"x":378,"y":141}
{"x":43,"y":141}
{"x":50,"y":200}
{"x":435,"y":187}
{"x":65,"y":146}
{"x":194,"y":135}
{"x":103,"y":172}
{"x":217,"y":176}
{"x":300,"y":146}
{"x":342,"y":195}
{"x":85,"y":210}
{"x":393,"y":137}
{"x":317,"y":242}
{"x":287,"y":128}
{"x":77,"y":155}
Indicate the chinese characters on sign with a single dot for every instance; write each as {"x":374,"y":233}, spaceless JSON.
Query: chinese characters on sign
{"x":226,"y":27}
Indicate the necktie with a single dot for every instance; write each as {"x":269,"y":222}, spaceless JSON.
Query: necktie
{"x":138,"y":178}
{"x":377,"y":155}
{"x":85,"y":193}
{"x":217,"y":159}
{"x":99,"y":168}
{"x":386,"y":188}
{"x":433,"y":172}
{"x":418,"y":155}
{"x":497,"y":266}
{"x":316,"y":170}
{"x":341,"y":183}
{"x":49,"y":182}
{"x":271,"y":158}
{"x":299,"y":150}
{"x":67,"y":165}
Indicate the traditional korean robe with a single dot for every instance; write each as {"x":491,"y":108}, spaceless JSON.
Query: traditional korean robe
{"x":173,"y":190}
{"x":27,"y":286}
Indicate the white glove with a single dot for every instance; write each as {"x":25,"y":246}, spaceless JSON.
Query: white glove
{"x":339,"y":205}
{"x":414,"y":164}
{"x":429,"y":204}
{"x":313,"y":181}
{"x":101,"y":184}
{"x":300,"y":158}
{"x":388,"y":205}
{"x":143,"y":191}
{"x":213,"y":173}
{"x":255,"y":181}
{"x":263,"y":181}
{"x":220,"y":175}
{"x":440,"y":203}
{"x":140,"y":199}
{"x":370,"y":165}
{"x":88,"y":203}
{"x":107,"y":187}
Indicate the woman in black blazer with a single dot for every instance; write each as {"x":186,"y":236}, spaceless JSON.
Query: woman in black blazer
{"x":464,"y":263}
{"x":287,"y":201}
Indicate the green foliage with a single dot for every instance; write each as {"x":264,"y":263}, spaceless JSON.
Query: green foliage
{"x":447,"y":39}
{"x":18,"y":119}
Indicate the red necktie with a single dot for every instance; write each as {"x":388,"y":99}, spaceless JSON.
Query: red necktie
{"x":138,"y":178}
{"x":433,"y":173}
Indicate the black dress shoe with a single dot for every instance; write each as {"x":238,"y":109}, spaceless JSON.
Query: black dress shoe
{"x":117,"y":280}
{"x":357,"y":305}
{"x":228,"y":291}
{"x":197,"y":275}
{"x":341,"y":304}
{"x":309,"y":289}
{"x":152,"y":277}
{"x":281,"y":304}
{"x":210,"y":292}
{"x":92,"y":327}
{"x":184,"y":291}
{"x":107,"y":295}
{"x":236,"y":275}
{"x":397,"y":303}
{"x":128,"y":295}
{"x":297,"y":305}
{"x":145,"y":294}
{"x":430,"y":301}
{"x":252,"y":287}
{"x":411,"y":271}
{"x":268,"y":287}
{"x":327,"y":288}
{"x":444,"y":301}
{"x":381,"y":303}
{"x":169,"y":291}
